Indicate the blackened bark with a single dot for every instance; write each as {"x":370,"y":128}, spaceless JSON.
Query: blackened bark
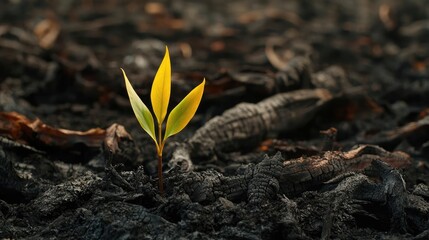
{"x":272,"y":176}
{"x":246,"y":125}
{"x":391,"y":191}
{"x":66,"y":196}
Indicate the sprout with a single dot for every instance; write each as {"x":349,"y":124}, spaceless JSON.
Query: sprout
{"x":178,"y":118}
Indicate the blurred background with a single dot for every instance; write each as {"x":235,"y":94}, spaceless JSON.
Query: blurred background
{"x":60,"y":60}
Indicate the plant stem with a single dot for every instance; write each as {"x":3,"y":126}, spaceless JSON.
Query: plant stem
{"x":160,"y":148}
{"x":160,"y":178}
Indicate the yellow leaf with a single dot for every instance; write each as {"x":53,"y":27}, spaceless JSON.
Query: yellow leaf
{"x":160,"y":93}
{"x":184,"y":111}
{"x":142,"y":113}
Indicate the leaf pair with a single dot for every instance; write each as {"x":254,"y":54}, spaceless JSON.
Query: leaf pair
{"x":178,"y":118}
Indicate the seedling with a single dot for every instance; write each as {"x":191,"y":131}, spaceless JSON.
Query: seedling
{"x":178,"y":118}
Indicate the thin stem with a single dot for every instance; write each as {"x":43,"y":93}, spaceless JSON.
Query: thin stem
{"x":159,"y":149}
{"x":159,"y":137}
{"x":160,"y":178}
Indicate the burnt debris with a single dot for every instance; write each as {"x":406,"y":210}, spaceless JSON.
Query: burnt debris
{"x":313,"y":122}
{"x":246,"y":125}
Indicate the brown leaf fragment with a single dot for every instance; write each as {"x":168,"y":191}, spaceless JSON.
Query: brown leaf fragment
{"x":119,"y":147}
{"x":281,"y":61}
{"x":20,"y":128}
{"x":385,"y":15}
{"x":113,"y":149}
{"x":47,"y":32}
{"x":114,"y":134}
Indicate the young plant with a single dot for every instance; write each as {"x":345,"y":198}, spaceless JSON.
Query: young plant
{"x":178,"y":118}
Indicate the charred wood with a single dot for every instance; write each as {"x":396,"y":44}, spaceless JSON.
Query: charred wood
{"x":66,"y":195}
{"x":246,"y":125}
{"x":273,"y":175}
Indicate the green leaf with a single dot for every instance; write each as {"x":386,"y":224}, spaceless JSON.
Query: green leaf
{"x":184,"y":111}
{"x":161,"y":87}
{"x":142,"y":113}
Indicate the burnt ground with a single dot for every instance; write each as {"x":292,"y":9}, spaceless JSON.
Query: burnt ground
{"x":314,"y":122}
